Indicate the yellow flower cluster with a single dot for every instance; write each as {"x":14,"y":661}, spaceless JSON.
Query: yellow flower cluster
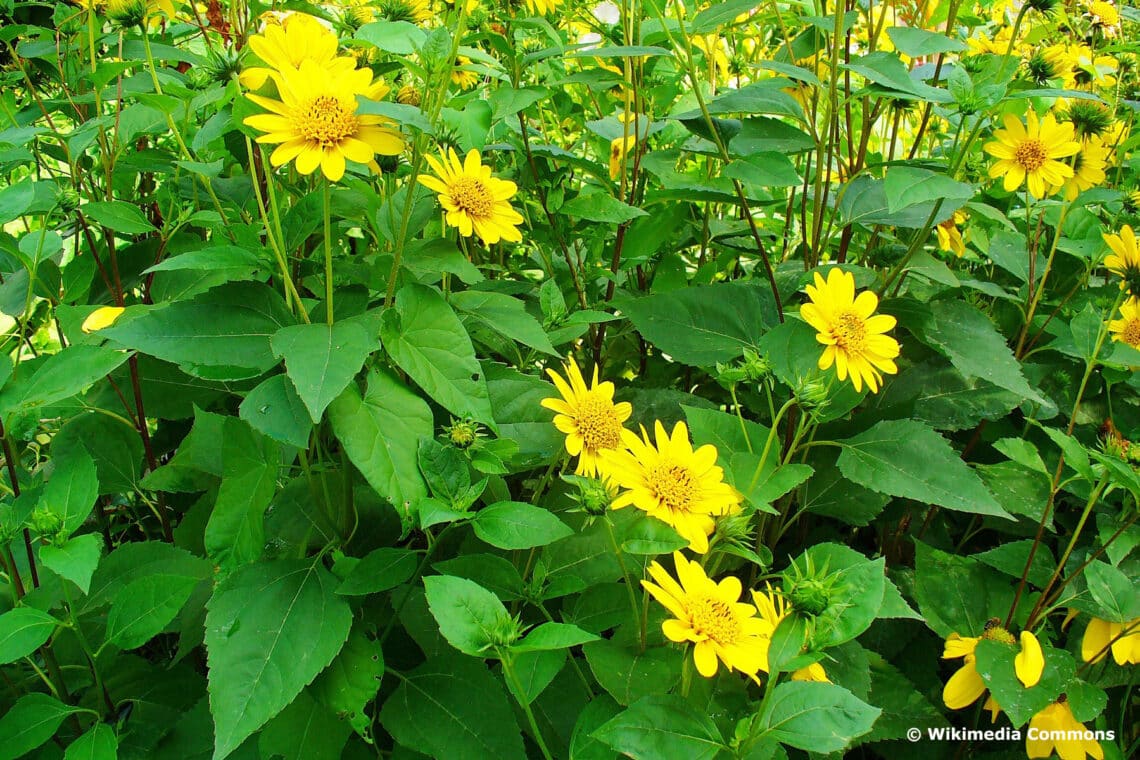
{"x":316,"y":120}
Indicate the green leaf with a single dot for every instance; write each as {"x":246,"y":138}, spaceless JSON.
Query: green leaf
{"x":226,"y":257}
{"x":957,"y":594}
{"x":908,"y":185}
{"x":381,"y":433}
{"x":379,"y":570}
{"x":1114,"y":592}
{"x":996,"y":667}
{"x":29,"y":723}
{"x":721,"y":15}
{"x":505,"y":315}
{"x":145,"y":607}
{"x":274,"y":409}
{"x":860,"y":586}
{"x":701,"y":326}
{"x":16,"y":199}
{"x":235,"y":533}
{"x":662,"y":727}
{"x":515,"y":525}
{"x":119,"y":216}
{"x":888,"y":70}
{"x":452,"y":708}
{"x":553,"y":636}
{"x":470,"y":617}
{"x":919,"y":43}
{"x":1086,"y":327}
{"x":425,"y":338}
{"x":628,"y":673}
{"x":907,"y":458}
{"x":23,"y":631}
{"x":270,"y":629}
{"x":305,"y":730}
{"x":470,"y":126}
{"x":534,"y":672}
{"x":649,"y":535}
{"x":601,"y":207}
{"x":137,"y":560}
{"x":399,"y":37}
{"x":816,"y":717}
{"x":75,"y":559}
{"x":61,"y":376}
{"x":322,"y":359}
{"x":352,"y":680}
{"x":1011,"y":558}
{"x":72,"y":490}
{"x":99,"y":743}
{"x":764,"y":170}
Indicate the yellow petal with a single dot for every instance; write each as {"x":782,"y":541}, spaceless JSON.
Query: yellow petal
{"x":1030,"y":661}
{"x":104,"y":316}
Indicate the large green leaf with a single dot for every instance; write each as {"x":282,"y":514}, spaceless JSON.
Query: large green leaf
{"x":995,"y":664}
{"x":72,"y":490}
{"x":99,"y":743}
{"x":380,"y":570}
{"x":352,"y":680}
{"x":381,"y":433}
{"x":74,"y":559}
{"x":235,"y":533}
{"x":452,"y":708}
{"x":23,"y":631}
{"x":119,"y":216}
{"x":957,"y":594}
{"x":705,"y":325}
{"x":505,"y":315}
{"x":145,"y":607}
{"x":426,"y":339}
{"x":662,"y":727}
{"x":275,"y":409}
{"x":470,"y":617}
{"x":629,"y":674}
{"x":29,"y":723}
{"x":515,"y":525}
{"x":322,"y":359}
{"x":60,"y":376}
{"x":270,"y":629}
{"x":906,"y":458}
{"x":305,"y":730}
{"x":816,"y":717}
{"x":137,"y":560}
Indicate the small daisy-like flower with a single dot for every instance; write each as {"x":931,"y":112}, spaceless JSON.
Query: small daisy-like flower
{"x":1098,"y":634}
{"x":103,"y":317}
{"x":1104,"y":17}
{"x":949,"y":236}
{"x":1030,"y":152}
{"x":1124,"y":261}
{"x":966,"y":686}
{"x":1088,"y":168}
{"x":1055,"y":729}
{"x":852,"y":334}
{"x":474,"y":201}
{"x":462,"y":76}
{"x":588,"y":416}
{"x":316,"y":121}
{"x":285,"y":45}
{"x":773,"y":607}
{"x":710,"y":615}
{"x":671,"y":482}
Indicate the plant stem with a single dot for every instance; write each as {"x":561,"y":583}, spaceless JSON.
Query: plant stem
{"x":328,"y":253}
{"x":633,"y":605}
{"x":509,"y":672}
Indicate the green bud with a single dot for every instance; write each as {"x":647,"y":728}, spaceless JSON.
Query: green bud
{"x":44,"y":522}
{"x":462,"y":433}
{"x":67,"y":198}
{"x":809,"y":596}
{"x":812,"y":394}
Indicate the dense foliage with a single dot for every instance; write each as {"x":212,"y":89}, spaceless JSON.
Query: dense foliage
{"x":751,"y":379}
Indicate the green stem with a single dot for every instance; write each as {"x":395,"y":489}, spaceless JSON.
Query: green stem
{"x":509,"y":672}
{"x":633,"y":605}
{"x":328,"y":253}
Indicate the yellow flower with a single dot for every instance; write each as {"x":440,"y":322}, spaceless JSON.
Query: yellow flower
{"x":949,"y":236}
{"x":619,"y":147}
{"x":1088,"y":168}
{"x":1124,"y":261}
{"x":316,"y":122}
{"x":773,"y":608}
{"x":852,"y":334}
{"x":412,"y":11}
{"x":473,"y":200}
{"x":542,"y":7}
{"x":671,"y":482}
{"x":284,"y":46}
{"x":1030,"y":152}
{"x":966,"y":686}
{"x":1126,"y":330}
{"x":710,"y":615}
{"x":1104,"y":16}
{"x":1126,"y":648}
{"x":589,"y":417}
{"x":463,"y":77}
{"x":1055,"y":728}
{"x":102,"y":317}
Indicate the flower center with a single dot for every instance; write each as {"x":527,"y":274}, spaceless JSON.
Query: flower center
{"x":673,"y":485}
{"x":1031,"y":155}
{"x":472,"y":196}
{"x":714,"y":619}
{"x":326,"y":121}
{"x":849,"y":332}
{"x":597,"y":422}
{"x":995,"y":632}
{"x":1131,"y":333}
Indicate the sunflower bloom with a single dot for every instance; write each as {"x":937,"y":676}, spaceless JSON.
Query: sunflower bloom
{"x":284,"y":46}
{"x":1055,"y":728}
{"x":1127,"y":328}
{"x":1104,"y":16}
{"x":542,"y":7}
{"x":966,"y":685}
{"x":710,"y":615}
{"x":681,"y":487}
{"x":1029,"y":153}
{"x":1125,"y":649}
{"x":472,"y":199}
{"x":316,"y":122}
{"x":949,"y":236}
{"x":461,"y":76}
{"x":773,"y":607}
{"x":589,"y":417}
{"x":1088,"y":168}
{"x":1124,"y":261}
{"x":853,"y":335}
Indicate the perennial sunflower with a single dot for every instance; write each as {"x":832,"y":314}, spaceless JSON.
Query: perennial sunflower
{"x":710,"y":615}
{"x":542,"y":7}
{"x":474,"y":201}
{"x":1029,"y":153}
{"x":853,"y":335}
{"x":1124,"y":261}
{"x":316,"y":121}
{"x":1104,"y":16}
{"x":1088,"y":168}
{"x":966,"y":686}
{"x":589,"y":417}
{"x":284,"y":46}
{"x":949,"y":236}
{"x":671,"y":482}
{"x":1055,"y":728}
{"x":462,"y":76}
{"x":1127,"y":328}
{"x":773,"y":608}
{"x":1125,"y":649}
